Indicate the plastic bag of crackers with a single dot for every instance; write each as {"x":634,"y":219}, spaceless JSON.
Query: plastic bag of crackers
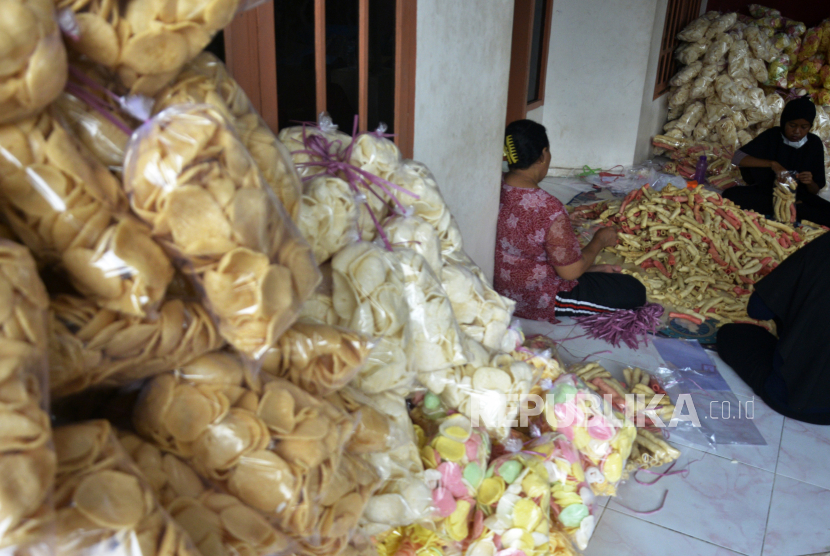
{"x":27,"y":458}
{"x":193,"y":181}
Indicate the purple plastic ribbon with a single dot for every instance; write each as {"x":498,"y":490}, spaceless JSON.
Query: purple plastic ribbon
{"x":623,"y":326}
{"x":335,"y":161}
{"x":97,"y":105}
{"x":646,"y":512}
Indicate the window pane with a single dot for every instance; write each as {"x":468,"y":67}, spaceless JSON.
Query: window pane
{"x":296,"y":94}
{"x":536,"y":45}
{"x":341,"y":62}
{"x":381,"y":64}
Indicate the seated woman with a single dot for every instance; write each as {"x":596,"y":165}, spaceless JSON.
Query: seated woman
{"x":539,"y":263}
{"x":788,"y":147}
{"x":791,"y":373}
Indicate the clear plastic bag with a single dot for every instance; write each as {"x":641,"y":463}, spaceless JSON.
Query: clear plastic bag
{"x":689,"y":53}
{"x":219,"y":524}
{"x":810,"y":43}
{"x":695,"y":30}
{"x":721,"y":417}
{"x":515,"y":498}
{"x":329,"y":216}
{"x":757,"y":43}
{"x":572,"y":502}
{"x":702,"y":87}
{"x":429,"y":204}
{"x":721,"y":24}
{"x":718,"y":48}
{"x":324,"y":138}
{"x":374,"y":431}
{"x":415,"y":233}
{"x":758,"y":70}
{"x":489,"y":390}
{"x":273,"y":445}
{"x":193,"y":181}
{"x":481,"y":312}
{"x":146,"y":44}
{"x":70,"y":210}
{"x":369,"y":296}
{"x":34,"y":67}
{"x":94,"y":347}
{"x":690,"y":118}
{"x":102,"y":501}
{"x":206,"y":80}
{"x":602,"y":436}
{"x":376,"y":154}
{"x":758,"y":11}
{"x":404,"y":497}
{"x":739,"y":59}
{"x":317,"y":357}
{"x":103,"y":138}
{"x":437,"y":342}
{"x":675,"y":112}
{"x":27,"y":457}
{"x":727,"y":133}
{"x":681,"y":95}
{"x":701,"y":131}
{"x":456,"y":458}
{"x":687,"y":74}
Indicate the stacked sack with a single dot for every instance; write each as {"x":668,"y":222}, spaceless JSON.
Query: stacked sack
{"x":262,"y":309}
{"x":810,"y":71}
{"x":717,"y":95}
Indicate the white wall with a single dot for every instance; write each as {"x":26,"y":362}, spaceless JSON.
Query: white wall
{"x":596,"y":78}
{"x":537,"y":114}
{"x":652,"y":111}
{"x":462,"y":70}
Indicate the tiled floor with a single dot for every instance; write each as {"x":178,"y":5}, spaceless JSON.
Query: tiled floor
{"x":771,"y":500}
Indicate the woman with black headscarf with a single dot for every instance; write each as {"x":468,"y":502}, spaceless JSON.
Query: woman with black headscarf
{"x":790,"y":373}
{"x":789,"y":146}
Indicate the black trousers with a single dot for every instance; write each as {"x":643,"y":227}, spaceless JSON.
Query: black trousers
{"x":601,"y":292}
{"x":750,"y":351}
{"x":808,"y":206}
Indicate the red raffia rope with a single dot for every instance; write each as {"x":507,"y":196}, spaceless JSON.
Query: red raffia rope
{"x":628,"y":326}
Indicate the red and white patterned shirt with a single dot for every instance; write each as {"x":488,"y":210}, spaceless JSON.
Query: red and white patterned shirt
{"x":533,"y":235}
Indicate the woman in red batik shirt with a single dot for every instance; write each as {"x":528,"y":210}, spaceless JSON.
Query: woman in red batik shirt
{"x":539,"y":263}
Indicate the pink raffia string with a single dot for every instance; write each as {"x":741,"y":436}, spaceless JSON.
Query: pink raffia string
{"x":329,"y":156}
{"x":629,"y":326}
{"x":668,"y":472}
{"x":92,"y":84}
{"x":98,"y":106}
{"x":646,"y":512}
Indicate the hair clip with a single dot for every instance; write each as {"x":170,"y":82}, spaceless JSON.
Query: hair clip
{"x":510,"y":150}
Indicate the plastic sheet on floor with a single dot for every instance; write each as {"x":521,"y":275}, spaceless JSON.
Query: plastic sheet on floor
{"x":723,"y":417}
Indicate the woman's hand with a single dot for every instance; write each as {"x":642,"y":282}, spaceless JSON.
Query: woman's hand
{"x":805,"y":177}
{"x":611,"y":268}
{"x":607,"y":237}
{"x":776,"y":167}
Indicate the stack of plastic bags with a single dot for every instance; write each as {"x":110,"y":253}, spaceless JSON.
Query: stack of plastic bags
{"x":717,"y":96}
{"x":254,"y":313}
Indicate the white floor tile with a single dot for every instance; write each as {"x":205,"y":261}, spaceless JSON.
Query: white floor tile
{"x":622,"y":535}
{"x":645,"y":356}
{"x":557,"y":332}
{"x":805,"y":453}
{"x":769,"y":424}
{"x":797,"y":520}
{"x":718,"y":502}
{"x":735,"y":382}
